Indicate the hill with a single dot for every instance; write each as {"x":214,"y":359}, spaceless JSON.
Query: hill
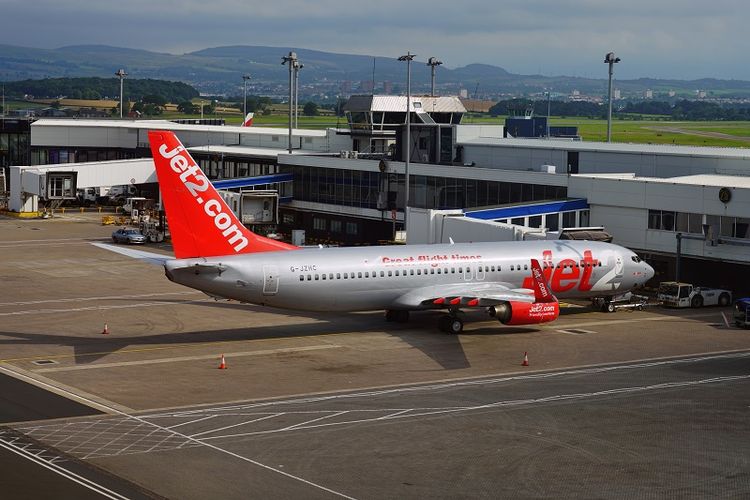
{"x":220,"y":70}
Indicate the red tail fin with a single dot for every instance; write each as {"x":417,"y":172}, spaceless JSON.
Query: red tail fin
{"x":542,"y":292}
{"x":201,"y":223}
{"x":248,"y":120}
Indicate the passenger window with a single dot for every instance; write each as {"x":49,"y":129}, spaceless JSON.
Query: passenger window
{"x":397,"y":272}
{"x":411,"y":271}
{"x":323,"y":276}
{"x":367,"y":274}
{"x":432,"y":271}
{"x":445,"y":270}
{"x":346,"y":276}
{"x":309,"y":277}
{"x":382,"y":274}
{"x":492,"y":268}
{"x":453,"y":270}
{"x":301,"y":278}
{"x":525,"y":267}
{"x":338,"y":276}
{"x":359,"y":275}
{"x":419,"y":272}
{"x":330,"y":276}
{"x":317,"y":277}
{"x":439,"y":272}
{"x":461,"y":270}
{"x":390,"y":273}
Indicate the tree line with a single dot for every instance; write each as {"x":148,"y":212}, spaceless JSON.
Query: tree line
{"x":679,"y":110}
{"x":95,"y":88}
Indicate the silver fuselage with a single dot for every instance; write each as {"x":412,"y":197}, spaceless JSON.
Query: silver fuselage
{"x":384,"y":277}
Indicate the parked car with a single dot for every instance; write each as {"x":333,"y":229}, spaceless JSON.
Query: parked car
{"x":742,"y":312}
{"x":127,"y":235}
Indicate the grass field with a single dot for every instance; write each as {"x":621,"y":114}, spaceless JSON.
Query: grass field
{"x":716,"y":133}
{"x":727,"y":134}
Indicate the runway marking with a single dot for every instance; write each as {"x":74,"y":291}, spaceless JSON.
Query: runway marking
{"x":141,"y":420}
{"x":461,"y":383}
{"x":305,"y":424}
{"x":178,"y":359}
{"x":633,"y":320}
{"x":86,"y":299}
{"x":266,"y":417}
{"x":98,"y":308}
{"x":190,"y":422}
{"x":726,"y":321}
{"x":57,"y":469}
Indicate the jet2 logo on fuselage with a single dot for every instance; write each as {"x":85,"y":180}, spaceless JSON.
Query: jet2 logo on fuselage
{"x":566,"y":274}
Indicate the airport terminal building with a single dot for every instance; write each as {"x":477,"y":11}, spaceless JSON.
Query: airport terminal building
{"x":467,"y":182}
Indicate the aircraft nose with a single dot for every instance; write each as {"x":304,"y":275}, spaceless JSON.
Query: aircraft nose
{"x":649,"y":272}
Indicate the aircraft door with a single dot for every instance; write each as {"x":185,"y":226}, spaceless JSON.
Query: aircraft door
{"x":270,"y":280}
{"x":619,"y":266}
{"x":480,"y":272}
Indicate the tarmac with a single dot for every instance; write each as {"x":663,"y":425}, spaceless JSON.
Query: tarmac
{"x":634,"y":403}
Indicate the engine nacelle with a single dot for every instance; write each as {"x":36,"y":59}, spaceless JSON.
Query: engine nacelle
{"x":525,"y":313}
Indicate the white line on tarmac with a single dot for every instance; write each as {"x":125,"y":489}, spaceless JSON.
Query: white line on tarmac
{"x":178,"y":359}
{"x":98,"y":308}
{"x":48,"y":464}
{"x":191,"y":439}
{"x":726,"y":321}
{"x":417,"y":412}
{"x":266,"y":417}
{"x":461,"y":383}
{"x":87,"y":299}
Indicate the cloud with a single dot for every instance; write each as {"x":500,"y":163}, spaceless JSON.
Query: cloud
{"x":668,"y":39}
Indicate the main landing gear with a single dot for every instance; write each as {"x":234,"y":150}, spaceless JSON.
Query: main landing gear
{"x":451,"y":323}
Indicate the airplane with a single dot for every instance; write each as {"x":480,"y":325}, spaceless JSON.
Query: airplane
{"x":516,"y":282}
{"x":248,"y":122}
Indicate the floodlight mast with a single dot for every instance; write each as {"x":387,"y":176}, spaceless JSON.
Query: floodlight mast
{"x":245,"y":78}
{"x":408,"y":58}
{"x":297,"y":66}
{"x":292,"y":60}
{"x":120,"y":73}
{"x":433,"y":62}
{"x":611,"y":60}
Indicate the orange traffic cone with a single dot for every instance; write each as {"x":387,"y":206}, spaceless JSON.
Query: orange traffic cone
{"x":223,"y":364}
{"x":525,"y":359}
{"x":106,"y":329}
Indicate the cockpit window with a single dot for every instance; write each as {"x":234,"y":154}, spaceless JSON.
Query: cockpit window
{"x":635,"y":259}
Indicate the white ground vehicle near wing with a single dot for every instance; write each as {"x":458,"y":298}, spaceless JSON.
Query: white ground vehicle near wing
{"x":675,"y":294}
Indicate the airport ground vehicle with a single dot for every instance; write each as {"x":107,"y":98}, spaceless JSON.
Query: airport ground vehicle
{"x":676,"y":294}
{"x":128,"y":235}
{"x":741,"y":313}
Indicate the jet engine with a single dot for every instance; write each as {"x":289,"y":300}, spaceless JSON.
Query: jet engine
{"x":525,"y":313}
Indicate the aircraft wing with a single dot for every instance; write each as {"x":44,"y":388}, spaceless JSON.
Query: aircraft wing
{"x":464,"y":294}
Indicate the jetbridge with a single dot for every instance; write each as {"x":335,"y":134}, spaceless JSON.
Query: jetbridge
{"x":29,"y":184}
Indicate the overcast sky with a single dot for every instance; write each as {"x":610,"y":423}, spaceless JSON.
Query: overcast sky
{"x":655,"y":38}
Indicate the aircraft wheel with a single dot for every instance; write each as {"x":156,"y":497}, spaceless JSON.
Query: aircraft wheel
{"x":390,"y":315}
{"x":696,"y":302}
{"x":610,"y":307}
{"x":455,"y":325}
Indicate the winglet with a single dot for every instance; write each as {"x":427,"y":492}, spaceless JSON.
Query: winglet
{"x":542,"y":292}
{"x":200,"y":222}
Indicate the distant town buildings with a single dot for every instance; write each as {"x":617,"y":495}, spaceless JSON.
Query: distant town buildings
{"x":648,"y":94}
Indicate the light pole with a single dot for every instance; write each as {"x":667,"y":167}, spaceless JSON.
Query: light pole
{"x":549,"y":105}
{"x":433,"y":62}
{"x":611,"y":60}
{"x":120,"y":73}
{"x":297,"y":66}
{"x":245,"y":78}
{"x":292,"y":60}
{"x":408,"y":58}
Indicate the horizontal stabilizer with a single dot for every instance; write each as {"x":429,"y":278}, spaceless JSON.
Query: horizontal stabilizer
{"x":150,"y":257}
